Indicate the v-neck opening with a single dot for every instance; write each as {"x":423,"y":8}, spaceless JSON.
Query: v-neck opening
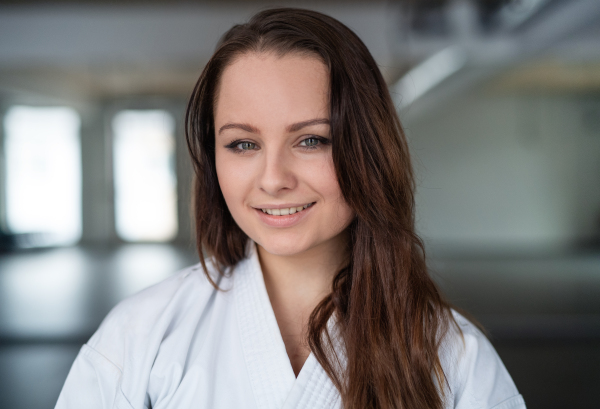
{"x":272,"y":376}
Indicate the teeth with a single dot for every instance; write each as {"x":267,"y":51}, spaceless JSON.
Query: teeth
{"x":286,"y":211}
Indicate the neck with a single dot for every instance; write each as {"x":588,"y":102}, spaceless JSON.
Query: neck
{"x":304,"y":279}
{"x":296,"y":284}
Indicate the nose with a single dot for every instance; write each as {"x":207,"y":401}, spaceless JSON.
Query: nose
{"x":276,"y":175}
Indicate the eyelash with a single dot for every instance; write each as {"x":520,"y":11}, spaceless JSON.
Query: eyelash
{"x":233,"y":146}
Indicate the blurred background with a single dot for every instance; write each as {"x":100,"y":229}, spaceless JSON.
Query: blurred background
{"x":501,"y":104}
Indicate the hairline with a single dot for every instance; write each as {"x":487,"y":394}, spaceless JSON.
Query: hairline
{"x":262,"y":49}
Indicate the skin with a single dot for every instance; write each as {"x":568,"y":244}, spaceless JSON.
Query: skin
{"x":263,"y":159}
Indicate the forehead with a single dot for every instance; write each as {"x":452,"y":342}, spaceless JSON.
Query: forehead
{"x":267,"y":89}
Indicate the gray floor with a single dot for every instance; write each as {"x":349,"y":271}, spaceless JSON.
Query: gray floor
{"x":542,"y":312}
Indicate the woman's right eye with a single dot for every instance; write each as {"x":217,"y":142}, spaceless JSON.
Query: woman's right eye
{"x":246,"y":146}
{"x":241,"y":146}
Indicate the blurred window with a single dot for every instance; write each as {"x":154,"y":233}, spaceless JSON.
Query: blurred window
{"x":144,"y":175}
{"x":43,"y":173}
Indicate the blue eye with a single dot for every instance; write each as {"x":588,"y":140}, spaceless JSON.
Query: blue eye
{"x":246,"y":146}
{"x":314,"y":142}
{"x":241,"y":146}
{"x":309,"y":142}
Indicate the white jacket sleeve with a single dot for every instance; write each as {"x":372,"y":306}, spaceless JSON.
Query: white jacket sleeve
{"x":93,"y":383}
{"x":478,"y":379}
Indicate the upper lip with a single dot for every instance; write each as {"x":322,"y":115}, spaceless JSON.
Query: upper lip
{"x":282,"y":206}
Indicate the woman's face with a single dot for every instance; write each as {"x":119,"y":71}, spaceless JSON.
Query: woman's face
{"x":273,"y":153}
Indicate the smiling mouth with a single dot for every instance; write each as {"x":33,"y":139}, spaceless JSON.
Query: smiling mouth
{"x":286,"y":211}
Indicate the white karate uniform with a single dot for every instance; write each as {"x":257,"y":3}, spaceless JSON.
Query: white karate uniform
{"x":181,"y":344}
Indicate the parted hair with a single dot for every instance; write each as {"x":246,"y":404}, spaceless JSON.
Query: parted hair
{"x":390,"y":317}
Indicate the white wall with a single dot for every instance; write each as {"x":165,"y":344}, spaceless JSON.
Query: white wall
{"x":508,"y":170}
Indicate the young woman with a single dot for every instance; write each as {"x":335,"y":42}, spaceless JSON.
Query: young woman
{"x":315,"y":292}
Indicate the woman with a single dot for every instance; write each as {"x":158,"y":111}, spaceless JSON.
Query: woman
{"x":315,"y":292}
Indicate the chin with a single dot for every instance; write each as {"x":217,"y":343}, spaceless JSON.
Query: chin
{"x":282,"y":247}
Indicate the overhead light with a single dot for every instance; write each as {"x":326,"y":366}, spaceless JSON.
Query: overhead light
{"x":425,"y":76}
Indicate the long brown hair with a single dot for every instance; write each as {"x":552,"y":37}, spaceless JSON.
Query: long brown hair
{"x":390,"y":316}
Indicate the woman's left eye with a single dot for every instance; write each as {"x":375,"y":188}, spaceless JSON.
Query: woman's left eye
{"x":312,"y":142}
{"x":309,"y":142}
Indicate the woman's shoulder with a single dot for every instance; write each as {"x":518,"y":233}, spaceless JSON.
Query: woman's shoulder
{"x":462,"y":342}
{"x":156,"y":324}
{"x":145,"y":317}
{"x":474,"y":372}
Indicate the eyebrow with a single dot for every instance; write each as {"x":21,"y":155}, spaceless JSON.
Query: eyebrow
{"x":299,"y":125}
{"x":243,"y":127}
{"x":292,"y":128}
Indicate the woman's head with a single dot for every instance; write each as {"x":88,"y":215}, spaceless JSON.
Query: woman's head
{"x":327,"y":62}
{"x":273,"y":153}
{"x":284,"y":67}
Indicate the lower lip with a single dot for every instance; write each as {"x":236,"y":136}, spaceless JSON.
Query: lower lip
{"x":283,"y":221}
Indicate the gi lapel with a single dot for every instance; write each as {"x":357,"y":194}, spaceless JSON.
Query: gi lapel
{"x":272,"y":377}
{"x":271,"y":374}
{"x":313,"y":389}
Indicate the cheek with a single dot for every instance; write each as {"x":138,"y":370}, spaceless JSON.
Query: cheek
{"x":328,"y":183}
{"x":339,"y":212}
{"x":230,"y":180}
